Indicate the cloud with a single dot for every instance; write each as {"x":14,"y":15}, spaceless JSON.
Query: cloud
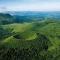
{"x":30,"y":5}
{"x":2,"y":8}
{"x":35,"y":7}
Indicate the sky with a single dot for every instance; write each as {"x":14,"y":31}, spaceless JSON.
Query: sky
{"x":29,"y":5}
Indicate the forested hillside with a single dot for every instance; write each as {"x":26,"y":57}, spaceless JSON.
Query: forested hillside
{"x":29,"y":40}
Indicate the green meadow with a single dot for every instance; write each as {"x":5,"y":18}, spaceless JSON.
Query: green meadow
{"x":37,"y":40}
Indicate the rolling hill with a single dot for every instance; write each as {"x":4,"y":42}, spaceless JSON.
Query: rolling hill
{"x":37,"y":40}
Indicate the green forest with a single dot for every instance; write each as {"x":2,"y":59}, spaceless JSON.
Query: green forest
{"x":29,"y":39}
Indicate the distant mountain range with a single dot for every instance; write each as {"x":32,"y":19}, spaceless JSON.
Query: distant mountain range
{"x":52,"y":14}
{"x":27,"y":16}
